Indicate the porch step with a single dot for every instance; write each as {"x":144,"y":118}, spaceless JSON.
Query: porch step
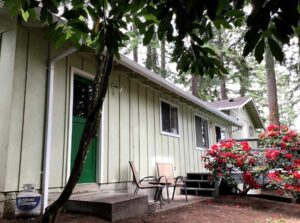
{"x":200,"y":189}
{"x":111,"y":207}
{"x":197,"y":181}
{"x":201,"y":184}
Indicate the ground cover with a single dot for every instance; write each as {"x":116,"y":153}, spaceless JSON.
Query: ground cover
{"x":226,"y":209}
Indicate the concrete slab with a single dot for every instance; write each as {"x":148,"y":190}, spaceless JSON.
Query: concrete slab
{"x":112,"y":207}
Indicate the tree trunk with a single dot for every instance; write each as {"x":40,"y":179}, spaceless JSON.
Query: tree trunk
{"x":104,"y":68}
{"x":154,"y":55}
{"x":271,"y":88}
{"x":154,"y":60}
{"x":223,"y":87}
{"x":222,"y":77}
{"x":195,"y":85}
{"x":148,"y":63}
{"x":243,"y":88}
{"x":135,"y":47}
{"x":163,"y":71}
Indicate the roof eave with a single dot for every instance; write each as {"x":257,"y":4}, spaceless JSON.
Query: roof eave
{"x":171,"y":87}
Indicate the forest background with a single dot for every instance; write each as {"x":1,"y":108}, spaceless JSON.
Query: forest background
{"x":245,"y":77}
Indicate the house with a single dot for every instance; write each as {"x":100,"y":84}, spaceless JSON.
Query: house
{"x":44,"y":92}
{"x":245,"y":112}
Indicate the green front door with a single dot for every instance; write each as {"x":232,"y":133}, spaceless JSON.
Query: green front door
{"x":81,"y":100}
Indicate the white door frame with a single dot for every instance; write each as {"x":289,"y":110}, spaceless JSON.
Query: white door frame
{"x":76,"y":71}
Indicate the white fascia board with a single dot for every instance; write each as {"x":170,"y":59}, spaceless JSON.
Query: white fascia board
{"x":171,"y":87}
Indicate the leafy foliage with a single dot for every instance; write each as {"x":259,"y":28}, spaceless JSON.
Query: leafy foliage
{"x":187,"y":24}
{"x":282,"y":155}
{"x":235,"y":163}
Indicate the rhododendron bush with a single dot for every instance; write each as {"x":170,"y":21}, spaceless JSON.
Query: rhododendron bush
{"x":235,"y":163}
{"x":282,"y":156}
{"x":277,"y":161}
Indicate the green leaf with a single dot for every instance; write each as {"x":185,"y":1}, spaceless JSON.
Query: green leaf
{"x":259,"y":51}
{"x":148,"y":35}
{"x":275,"y":49}
{"x":71,"y":14}
{"x":25,"y":15}
{"x":251,"y":39}
{"x":79,"y":26}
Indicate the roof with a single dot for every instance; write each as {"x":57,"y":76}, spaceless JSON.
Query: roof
{"x":231,"y":103}
{"x":173,"y":88}
{"x":238,"y":103}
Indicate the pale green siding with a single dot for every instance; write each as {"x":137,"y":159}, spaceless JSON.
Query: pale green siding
{"x":243,"y":117}
{"x":131,"y":119}
{"x":7,"y":59}
{"x":137,"y":124}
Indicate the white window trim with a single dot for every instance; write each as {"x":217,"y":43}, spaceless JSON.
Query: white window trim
{"x":160,"y":118}
{"x":76,"y":71}
{"x":195,"y":141}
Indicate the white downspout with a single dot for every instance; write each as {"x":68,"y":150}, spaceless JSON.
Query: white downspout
{"x":47,"y":152}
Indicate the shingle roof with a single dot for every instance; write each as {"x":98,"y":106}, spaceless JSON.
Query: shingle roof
{"x":238,"y":103}
{"x":231,"y":103}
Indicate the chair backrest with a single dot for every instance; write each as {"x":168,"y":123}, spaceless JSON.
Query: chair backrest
{"x":135,"y":173}
{"x":165,"y":169}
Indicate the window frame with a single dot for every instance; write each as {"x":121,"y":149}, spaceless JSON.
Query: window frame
{"x":195,"y":132}
{"x":250,"y":127}
{"x":160,"y":117}
{"x":221,"y":127}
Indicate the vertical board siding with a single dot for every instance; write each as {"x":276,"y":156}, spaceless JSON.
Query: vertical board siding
{"x":134,"y":123}
{"x":150,"y":133}
{"x":104,"y":142}
{"x":143,"y":145}
{"x":58,"y":129}
{"x":124,"y":126}
{"x":157,"y":136}
{"x":131,"y":121}
{"x":34,"y":117}
{"x":7,"y":65}
{"x":113,"y":129}
{"x":17,"y":108}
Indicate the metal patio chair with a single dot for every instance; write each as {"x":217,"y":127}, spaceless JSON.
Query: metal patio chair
{"x":144,"y":183}
{"x":165,"y":173}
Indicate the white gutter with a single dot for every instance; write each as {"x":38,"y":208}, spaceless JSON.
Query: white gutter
{"x":171,"y":87}
{"x":47,"y":152}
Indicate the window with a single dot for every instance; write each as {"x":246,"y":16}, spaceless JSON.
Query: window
{"x":82,"y":98}
{"x":201,"y":126}
{"x":169,"y":118}
{"x":220,"y":133}
{"x":251,"y":131}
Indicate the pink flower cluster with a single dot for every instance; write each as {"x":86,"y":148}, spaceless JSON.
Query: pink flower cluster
{"x":231,"y":156}
{"x":282,"y":156}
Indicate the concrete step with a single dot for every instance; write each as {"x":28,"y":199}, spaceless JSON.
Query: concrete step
{"x":200,"y":189}
{"x":197,"y":181}
{"x":112,"y":207}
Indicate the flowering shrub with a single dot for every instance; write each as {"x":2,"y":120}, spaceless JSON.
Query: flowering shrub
{"x":282,"y":155}
{"x":235,"y":163}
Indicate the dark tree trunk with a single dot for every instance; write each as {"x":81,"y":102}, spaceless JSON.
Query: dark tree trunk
{"x":154,"y":60}
{"x":222,"y":77}
{"x":223,"y":88}
{"x":195,"y":85}
{"x":163,"y":71}
{"x":154,"y":55}
{"x":271,"y":88}
{"x":148,"y":63}
{"x":91,"y":127}
{"x":136,"y":47}
{"x":243,"y":87}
